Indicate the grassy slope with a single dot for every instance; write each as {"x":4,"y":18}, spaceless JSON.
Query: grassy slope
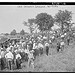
{"x":61,"y":62}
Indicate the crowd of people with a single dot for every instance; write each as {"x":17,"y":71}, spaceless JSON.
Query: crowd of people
{"x":12,"y":56}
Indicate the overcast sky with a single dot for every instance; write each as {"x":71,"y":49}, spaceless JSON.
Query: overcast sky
{"x":12,"y":17}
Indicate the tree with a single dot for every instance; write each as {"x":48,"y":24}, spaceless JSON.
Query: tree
{"x":6,"y":34}
{"x":22,"y":32}
{"x":13,"y":32}
{"x":63,"y":18}
{"x":30,"y":24}
{"x":44,"y":21}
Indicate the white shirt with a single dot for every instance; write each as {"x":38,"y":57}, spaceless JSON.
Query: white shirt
{"x":50,"y":41}
{"x":8,"y":49}
{"x":11,"y":46}
{"x":62,"y":35}
{"x":17,"y":45}
{"x":39,"y":38}
{"x":19,"y":50}
{"x":9,"y":55}
{"x":62,"y":43}
{"x":53,"y":34}
{"x":30,"y":55}
{"x":26,"y":51}
{"x":44,"y":37}
{"x":34,"y":46}
{"x":28,"y":47}
{"x":16,"y":51}
{"x":52,"y":37}
{"x":65,"y":34}
{"x":40,"y":45}
{"x":18,"y":55}
{"x":22,"y":50}
{"x":0,"y":56}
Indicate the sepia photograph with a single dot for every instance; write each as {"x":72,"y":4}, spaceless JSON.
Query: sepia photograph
{"x":37,"y":37}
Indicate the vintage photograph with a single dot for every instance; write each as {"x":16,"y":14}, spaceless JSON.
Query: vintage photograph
{"x":37,"y":38}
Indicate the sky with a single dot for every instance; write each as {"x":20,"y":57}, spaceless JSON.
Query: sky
{"x":13,"y":16}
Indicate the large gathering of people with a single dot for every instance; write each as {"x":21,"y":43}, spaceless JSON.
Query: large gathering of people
{"x":13,"y":54}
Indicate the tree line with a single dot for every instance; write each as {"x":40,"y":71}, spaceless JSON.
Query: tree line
{"x":44,"y":22}
{"x":13,"y":32}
